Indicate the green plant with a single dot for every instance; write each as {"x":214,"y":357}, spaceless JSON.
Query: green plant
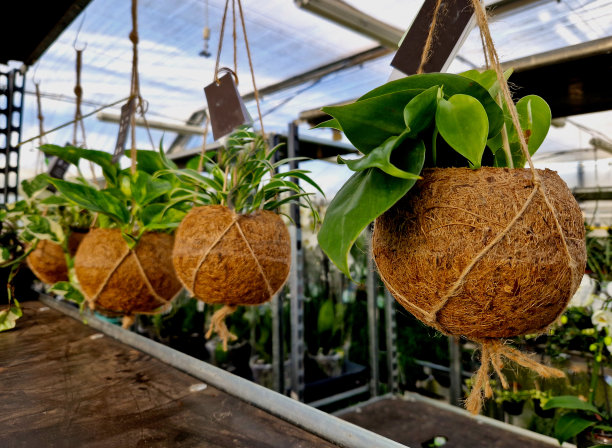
{"x":243,"y":178}
{"x":433,"y":120}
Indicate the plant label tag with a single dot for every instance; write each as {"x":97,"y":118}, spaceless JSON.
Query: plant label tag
{"x":57,"y":168}
{"x":124,"y":124}
{"x":225,"y":106}
{"x":454,"y":22}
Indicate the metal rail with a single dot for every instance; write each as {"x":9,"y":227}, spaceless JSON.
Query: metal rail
{"x":324,"y":425}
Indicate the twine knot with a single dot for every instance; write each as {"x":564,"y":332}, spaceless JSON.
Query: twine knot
{"x":134,"y":37}
{"x":78,"y":91}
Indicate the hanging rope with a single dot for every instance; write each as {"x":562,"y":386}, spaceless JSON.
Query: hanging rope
{"x":78,"y":115}
{"x":41,"y":131}
{"x":430,"y":37}
{"x":493,"y":350}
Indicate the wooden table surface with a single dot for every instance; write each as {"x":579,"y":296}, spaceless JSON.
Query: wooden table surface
{"x":62,"y":384}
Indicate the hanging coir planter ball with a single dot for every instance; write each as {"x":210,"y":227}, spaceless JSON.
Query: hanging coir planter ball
{"x":126,"y":281}
{"x":458,"y":254}
{"x":48,"y":261}
{"x":226,"y":258}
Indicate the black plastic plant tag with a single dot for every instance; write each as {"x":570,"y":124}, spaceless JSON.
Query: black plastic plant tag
{"x":124,"y":126}
{"x":57,"y":168}
{"x":452,"y":27}
{"x":225,"y":106}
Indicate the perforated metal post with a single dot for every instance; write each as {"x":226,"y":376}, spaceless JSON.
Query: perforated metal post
{"x":278,"y":352}
{"x":372,"y":291}
{"x":296,"y":282}
{"x":11,"y":107}
{"x":391,"y":341}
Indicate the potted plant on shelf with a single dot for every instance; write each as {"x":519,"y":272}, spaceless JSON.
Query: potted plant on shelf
{"x":486,"y":252}
{"x":123,"y":266}
{"x":233,"y":248}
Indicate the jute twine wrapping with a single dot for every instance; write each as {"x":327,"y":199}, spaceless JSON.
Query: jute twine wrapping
{"x":518,"y":257}
{"x":124,"y":281}
{"x":226,"y":258}
{"x":48,"y":261}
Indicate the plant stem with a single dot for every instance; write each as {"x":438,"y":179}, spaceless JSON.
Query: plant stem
{"x":434,"y":147}
{"x":505,"y":141}
{"x":594,"y":374}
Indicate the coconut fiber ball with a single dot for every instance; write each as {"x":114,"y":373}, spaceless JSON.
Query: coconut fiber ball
{"x":48,"y":261}
{"x":224,"y":258}
{"x":423,"y":244}
{"x":117,"y":279}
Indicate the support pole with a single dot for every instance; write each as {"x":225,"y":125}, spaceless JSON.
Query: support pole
{"x":454,"y":343}
{"x":372,"y":291}
{"x":391,"y":341}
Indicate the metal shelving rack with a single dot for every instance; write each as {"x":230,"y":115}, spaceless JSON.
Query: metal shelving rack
{"x":11,"y":115}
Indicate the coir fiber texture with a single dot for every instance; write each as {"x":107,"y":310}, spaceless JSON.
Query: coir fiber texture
{"x":423,"y":244}
{"x":117,"y":279}
{"x":48,"y":262}
{"x":222,"y":257}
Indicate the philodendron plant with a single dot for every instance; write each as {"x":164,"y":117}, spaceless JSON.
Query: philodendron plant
{"x":135,"y":203}
{"x":427,"y":120}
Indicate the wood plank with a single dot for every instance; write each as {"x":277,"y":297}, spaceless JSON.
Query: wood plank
{"x":63,"y":384}
{"x":415,"y":422}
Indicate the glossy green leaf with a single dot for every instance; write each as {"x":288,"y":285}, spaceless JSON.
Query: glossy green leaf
{"x":302,"y":175}
{"x":462,"y":122}
{"x":93,"y":200}
{"x":381,"y":158}
{"x":332,"y":124}
{"x":570,"y":425}
{"x":570,"y":402}
{"x":145,"y":188}
{"x":363,"y":198}
{"x":151,"y":161}
{"x":420,"y":111}
{"x":367,"y":123}
{"x":451,"y":85}
{"x":41,"y":228}
{"x":161,"y":217}
{"x":487,"y":79}
{"x":535,"y":117}
{"x":73,"y":155}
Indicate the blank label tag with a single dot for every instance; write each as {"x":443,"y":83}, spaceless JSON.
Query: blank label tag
{"x":225,"y":106}
{"x":452,"y":27}
{"x":124,"y":125}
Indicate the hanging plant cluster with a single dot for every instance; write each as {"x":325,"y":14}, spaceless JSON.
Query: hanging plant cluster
{"x":464,"y":238}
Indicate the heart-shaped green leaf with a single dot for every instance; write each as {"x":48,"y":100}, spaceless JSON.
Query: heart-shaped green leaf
{"x":369,"y":122}
{"x":381,"y":158}
{"x":462,"y":122}
{"x":420,"y":111}
{"x":363,"y":198}
{"x":570,"y":425}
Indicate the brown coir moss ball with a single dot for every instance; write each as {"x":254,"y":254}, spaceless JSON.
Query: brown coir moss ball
{"x":423,"y":244}
{"x":127,"y":290}
{"x":48,"y":262}
{"x":229,"y":273}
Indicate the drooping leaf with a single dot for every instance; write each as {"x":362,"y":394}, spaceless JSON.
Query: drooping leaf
{"x":37,"y":183}
{"x":570,"y":402}
{"x":145,"y":188}
{"x":381,"y":158}
{"x":161,"y":217}
{"x":363,"y":198}
{"x":8,"y":318}
{"x":150,"y":161}
{"x":451,"y":85}
{"x":68,"y":291}
{"x":570,"y":425}
{"x":462,"y":122}
{"x":367,"y":123}
{"x":93,"y":200}
{"x":420,"y":111}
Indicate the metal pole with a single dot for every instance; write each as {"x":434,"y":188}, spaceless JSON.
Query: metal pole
{"x":455,"y":370}
{"x":278,"y":352}
{"x":11,"y":87}
{"x":296,"y":282}
{"x":372,"y":291}
{"x":391,"y":341}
